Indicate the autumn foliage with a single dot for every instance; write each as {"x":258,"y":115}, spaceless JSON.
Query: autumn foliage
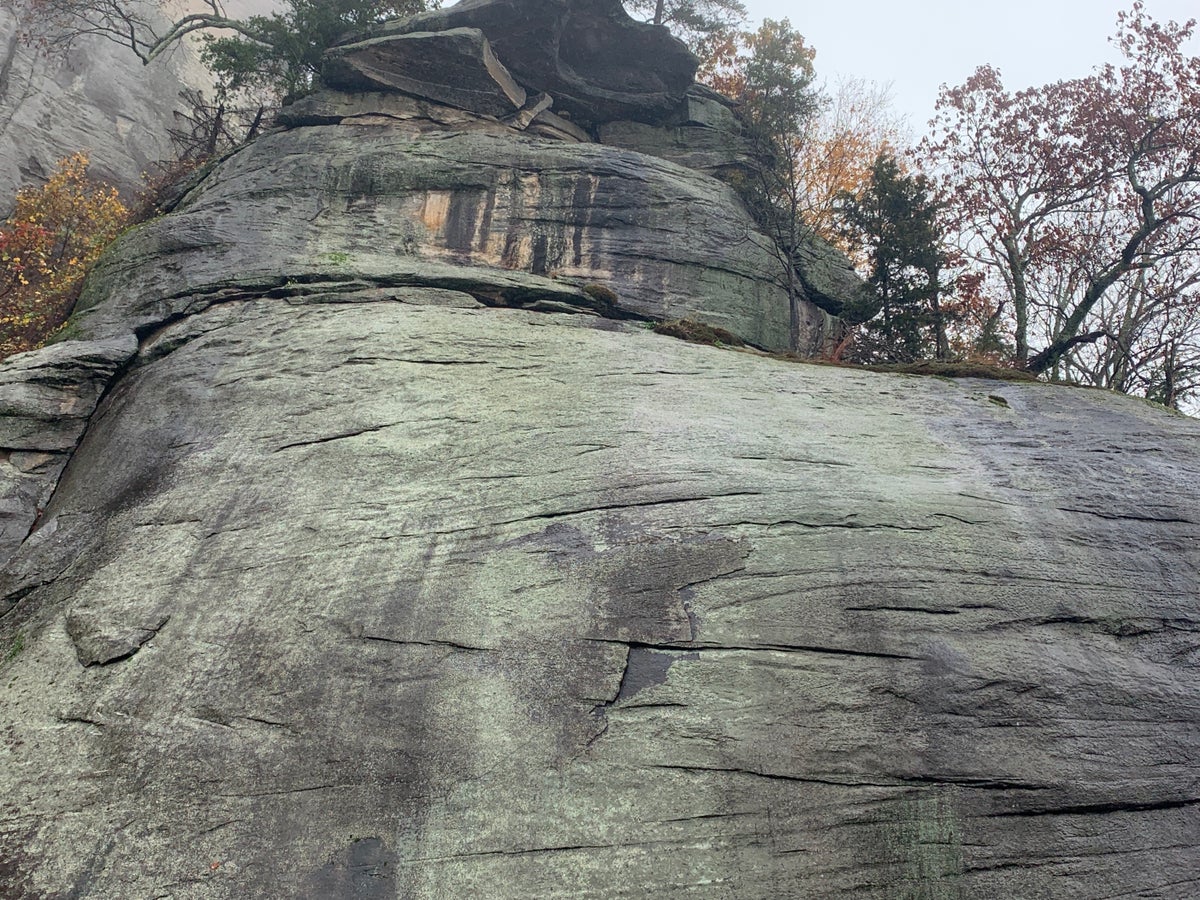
{"x":55,"y":234}
{"x":1079,"y":202}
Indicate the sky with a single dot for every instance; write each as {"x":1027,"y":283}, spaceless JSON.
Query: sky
{"x":919,"y":46}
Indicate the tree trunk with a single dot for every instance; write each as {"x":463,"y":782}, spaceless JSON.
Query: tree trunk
{"x":939,"y":318}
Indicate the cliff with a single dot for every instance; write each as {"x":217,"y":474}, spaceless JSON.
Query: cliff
{"x":358,"y":546}
{"x":97,"y":99}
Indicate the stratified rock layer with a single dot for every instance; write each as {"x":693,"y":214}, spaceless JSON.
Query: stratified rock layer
{"x":455,"y":67}
{"x":358,"y":595}
{"x":597,"y":62}
{"x":511,"y":218}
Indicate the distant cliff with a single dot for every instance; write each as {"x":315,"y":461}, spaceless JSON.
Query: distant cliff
{"x":364,"y":542}
{"x":100,"y":99}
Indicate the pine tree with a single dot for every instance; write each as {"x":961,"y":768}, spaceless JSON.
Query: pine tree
{"x":896,"y":221}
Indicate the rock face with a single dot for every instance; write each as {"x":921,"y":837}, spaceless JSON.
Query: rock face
{"x":370,"y":594}
{"x":454,"y":68}
{"x":515,"y":220}
{"x":99,"y":99}
{"x":46,"y":400}
{"x":364,"y":543}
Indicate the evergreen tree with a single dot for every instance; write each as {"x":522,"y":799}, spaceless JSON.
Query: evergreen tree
{"x":704,"y":25}
{"x":773,"y":82}
{"x":895,"y":221}
{"x":281,"y":53}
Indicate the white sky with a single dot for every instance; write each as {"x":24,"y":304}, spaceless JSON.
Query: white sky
{"x":919,"y":46}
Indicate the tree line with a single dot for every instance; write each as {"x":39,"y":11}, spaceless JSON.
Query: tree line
{"x":1054,"y":229}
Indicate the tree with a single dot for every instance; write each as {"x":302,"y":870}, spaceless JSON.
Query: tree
{"x":895,"y":220}
{"x":704,"y":25}
{"x":280,"y":51}
{"x":1151,"y":344}
{"x":772,"y":78}
{"x":838,"y":151}
{"x":55,"y":234}
{"x":1066,"y":192}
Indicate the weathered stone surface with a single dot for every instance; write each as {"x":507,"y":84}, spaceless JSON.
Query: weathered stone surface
{"x":532,"y":108}
{"x":477,"y":602}
{"x":454,"y":67}
{"x":506,"y":216}
{"x":549,"y":124}
{"x":47,"y":396}
{"x":98,"y":99}
{"x":595,"y":61}
{"x":709,"y":150}
{"x":706,"y":107}
{"x":100,"y":640}
{"x":830,"y":281}
{"x":46,"y":399}
{"x":378,"y":107}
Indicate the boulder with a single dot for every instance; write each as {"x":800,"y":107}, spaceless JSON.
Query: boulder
{"x":597,"y":62}
{"x":455,"y":67}
{"x":830,"y":281}
{"x":709,"y":150}
{"x":348,"y":595}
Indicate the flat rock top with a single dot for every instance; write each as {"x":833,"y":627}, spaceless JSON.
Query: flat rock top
{"x":377,"y":598}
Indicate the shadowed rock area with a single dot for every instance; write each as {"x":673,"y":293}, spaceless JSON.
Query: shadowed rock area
{"x":392,"y":557}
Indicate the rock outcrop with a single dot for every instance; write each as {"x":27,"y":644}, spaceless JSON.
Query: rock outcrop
{"x":599,"y":64}
{"x":99,"y":99}
{"x":394,"y":557}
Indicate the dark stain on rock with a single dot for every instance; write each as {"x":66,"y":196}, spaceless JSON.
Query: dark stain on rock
{"x":366,"y":870}
{"x":540,"y":253}
{"x":460,"y":221}
{"x":485,"y":222}
{"x":647,"y":668}
{"x":581,"y":205}
{"x":16,"y":865}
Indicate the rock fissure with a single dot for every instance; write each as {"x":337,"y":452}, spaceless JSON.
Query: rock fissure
{"x":1094,"y":809}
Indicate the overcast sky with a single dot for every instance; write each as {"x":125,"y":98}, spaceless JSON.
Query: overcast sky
{"x":919,"y":46}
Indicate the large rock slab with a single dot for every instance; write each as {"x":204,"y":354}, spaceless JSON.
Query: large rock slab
{"x":347,"y":596}
{"x":502,"y":214}
{"x":46,"y":400}
{"x":454,"y":67}
{"x":597,"y":62}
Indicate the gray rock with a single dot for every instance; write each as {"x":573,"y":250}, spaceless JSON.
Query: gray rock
{"x":533,"y":107}
{"x":504,"y":215}
{"x":48,"y":395}
{"x":454,"y":68}
{"x":382,"y":108}
{"x":595,"y":61}
{"x":483,"y":602}
{"x":99,"y":99}
{"x":830,"y":282}
{"x":46,"y":399}
{"x":705,"y":107}
{"x":709,"y":150}
{"x":552,"y":125}
{"x":101,"y":641}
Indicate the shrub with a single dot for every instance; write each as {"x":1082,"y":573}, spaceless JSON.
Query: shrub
{"x":55,"y":234}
